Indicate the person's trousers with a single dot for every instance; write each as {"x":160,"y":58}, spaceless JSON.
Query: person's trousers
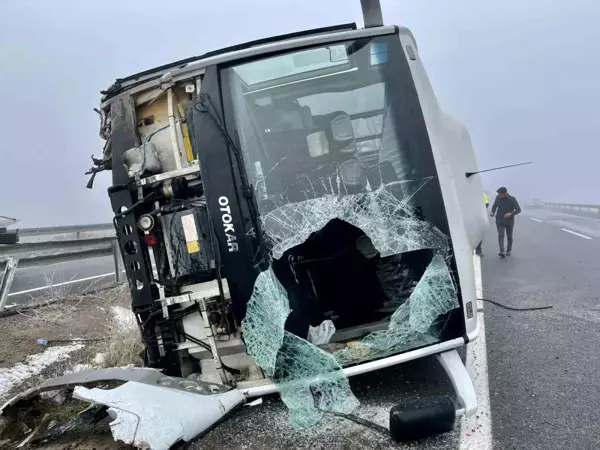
{"x":506,"y":227}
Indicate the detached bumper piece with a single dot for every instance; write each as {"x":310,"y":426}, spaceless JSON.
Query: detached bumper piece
{"x":150,"y":410}
{"x":156,"y":417}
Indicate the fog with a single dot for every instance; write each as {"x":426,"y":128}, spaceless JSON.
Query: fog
{"x":523,"y":76}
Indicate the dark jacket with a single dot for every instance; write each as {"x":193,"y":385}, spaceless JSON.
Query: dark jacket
{"x":505,"y":205}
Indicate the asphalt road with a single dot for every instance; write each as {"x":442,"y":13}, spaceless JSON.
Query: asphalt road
{"x":544,"y":366}
{"x":36,"y":284}
{"x":267,"y":426}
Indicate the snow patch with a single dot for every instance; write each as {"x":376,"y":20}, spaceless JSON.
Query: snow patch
{"x":99,"y":359}
{"x":34,"y":365}
{"x":124,"y":318}
{"x":80,"y":368}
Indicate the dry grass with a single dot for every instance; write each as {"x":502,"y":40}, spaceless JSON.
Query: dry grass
{"x":88,"y":319}
{"x":122,"y":344}
{"x":57,"y":301}
{"x":119,"y":342}
{"x":122,"y":347}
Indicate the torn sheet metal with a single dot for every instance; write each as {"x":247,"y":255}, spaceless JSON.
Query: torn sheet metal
{"x":156,"y":417}
{"x":310,"y":380}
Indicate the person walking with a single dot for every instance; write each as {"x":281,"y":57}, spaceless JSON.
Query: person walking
{"x":486,"y":200}
{"x":505,"y":208}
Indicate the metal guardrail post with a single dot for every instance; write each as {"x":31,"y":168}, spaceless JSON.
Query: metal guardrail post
{"x":117,"y":258}
{"x":7,"y":279}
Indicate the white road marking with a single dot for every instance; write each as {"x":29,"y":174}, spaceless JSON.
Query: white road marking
{"x":476,"y":431}
{"x":537,"y":220}
{"x":41,"y":288}
{"x":576,"y":234}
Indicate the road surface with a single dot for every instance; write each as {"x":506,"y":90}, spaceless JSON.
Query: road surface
{"x":36,"y":284}
{"x":542,"y":366}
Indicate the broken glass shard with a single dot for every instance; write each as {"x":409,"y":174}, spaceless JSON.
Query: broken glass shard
{"x":410,"y":325}
{"x":309,"y":379}
{"x":311,"y":382}
{"x":391,"y":224}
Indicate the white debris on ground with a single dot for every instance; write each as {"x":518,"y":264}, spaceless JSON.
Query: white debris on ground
{"x":79,"y":368}
{"x":34,"y":365}
{"x":99,"y":359}
{"x":124,"y":318}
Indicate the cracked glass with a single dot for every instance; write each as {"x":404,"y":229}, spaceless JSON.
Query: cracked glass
{"x":351,"y":217}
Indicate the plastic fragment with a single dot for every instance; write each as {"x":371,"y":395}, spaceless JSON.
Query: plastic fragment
{"x":322,"y":334}
{"x":256,"y":402}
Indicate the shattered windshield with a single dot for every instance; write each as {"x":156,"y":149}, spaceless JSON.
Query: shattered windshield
{"x":324,"y":126}
{"x":359,"y":255}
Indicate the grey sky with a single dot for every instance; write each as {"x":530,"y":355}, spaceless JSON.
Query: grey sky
{"x":523,"y":76}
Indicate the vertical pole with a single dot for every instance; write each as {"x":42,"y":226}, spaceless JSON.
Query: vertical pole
{"x":9,"y":275}
{"x":116,"y":258}
{"x":372,"y":15}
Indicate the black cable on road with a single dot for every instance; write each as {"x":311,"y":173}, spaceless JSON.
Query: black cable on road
{"x":363,"y":422}
{"x":511,"y":308}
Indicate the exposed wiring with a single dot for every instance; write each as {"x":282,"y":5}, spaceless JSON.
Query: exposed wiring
{"x":147,"y":198}
{"x":363,"y":422}
{"x":197,"y":341}
{"x":151,"y":135}
{"x":52,"y":341}
{"x":351,"y":417}
{"x":511,"y":308}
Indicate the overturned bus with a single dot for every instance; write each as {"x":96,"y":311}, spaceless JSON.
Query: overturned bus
{"x":294,"y":211}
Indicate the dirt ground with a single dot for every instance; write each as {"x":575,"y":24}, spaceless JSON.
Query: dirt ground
{"x":88,"y":319}
{"x":94,"y":438}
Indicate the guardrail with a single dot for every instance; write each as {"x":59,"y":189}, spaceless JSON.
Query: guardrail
{"x":44,"y":231}
{"x":52,"y":252}
{"x":574,"y":208}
